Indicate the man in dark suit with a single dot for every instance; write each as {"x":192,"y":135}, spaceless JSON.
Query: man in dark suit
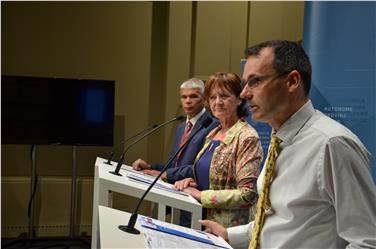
{"x":192,"y":101}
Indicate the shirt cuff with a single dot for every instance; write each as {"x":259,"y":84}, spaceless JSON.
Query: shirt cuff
{"x":239,"y":236}
{"x":205,"y":198}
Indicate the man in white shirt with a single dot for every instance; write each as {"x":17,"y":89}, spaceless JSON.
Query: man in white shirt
{"x":322,"y":194}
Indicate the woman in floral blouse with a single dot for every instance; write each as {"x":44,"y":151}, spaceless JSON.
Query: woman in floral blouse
{"x":223,"y":177}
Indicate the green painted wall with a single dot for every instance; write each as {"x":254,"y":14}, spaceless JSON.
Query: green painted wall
{"x":148,"y":48}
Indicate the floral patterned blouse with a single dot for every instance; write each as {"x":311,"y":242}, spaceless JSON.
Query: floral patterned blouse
{"x":233,"y":173}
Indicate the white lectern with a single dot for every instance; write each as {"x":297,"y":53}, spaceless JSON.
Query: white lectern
{"x":112,"y":237}
{"x":104,"y":182}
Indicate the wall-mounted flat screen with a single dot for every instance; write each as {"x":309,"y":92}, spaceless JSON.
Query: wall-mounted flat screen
{"x":42,"y":110}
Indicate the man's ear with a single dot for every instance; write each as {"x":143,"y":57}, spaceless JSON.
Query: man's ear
{"x":294,"y":80}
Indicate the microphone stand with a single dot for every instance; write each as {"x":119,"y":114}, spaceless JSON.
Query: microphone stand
{"x":126,"y":140}
{"x":132,"y":220}
{"x":121,"y":160}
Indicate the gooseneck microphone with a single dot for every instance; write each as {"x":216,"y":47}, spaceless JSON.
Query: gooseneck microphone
{"x":132,"y":220}
{"x":121,"y":160}
{"x":126,"y":140}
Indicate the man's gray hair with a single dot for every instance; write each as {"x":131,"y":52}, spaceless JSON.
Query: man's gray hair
{"x":194,"y":83}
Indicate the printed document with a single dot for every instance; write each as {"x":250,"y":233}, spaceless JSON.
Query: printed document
{"x":195,"y":238}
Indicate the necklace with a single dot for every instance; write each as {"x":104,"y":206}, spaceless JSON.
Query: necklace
{"x":212,"y":144}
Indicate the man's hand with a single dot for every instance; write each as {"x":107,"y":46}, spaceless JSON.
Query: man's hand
{"x":185,"y":183}
{"x":214,"y":228}
{"x":140,"y":164}
{"x":153,"y":172}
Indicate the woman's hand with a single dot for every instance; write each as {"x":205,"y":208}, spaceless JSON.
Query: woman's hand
{"x":194,"y":192}
{"x":188,"y":185}
{"x":185,"y":183}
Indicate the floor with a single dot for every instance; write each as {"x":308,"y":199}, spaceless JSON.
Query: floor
{"x":44,"y":243}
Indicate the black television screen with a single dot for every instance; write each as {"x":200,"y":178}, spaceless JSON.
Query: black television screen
{"x":41,"y":110}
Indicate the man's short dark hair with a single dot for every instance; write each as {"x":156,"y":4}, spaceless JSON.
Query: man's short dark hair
{"x":288,"y":56}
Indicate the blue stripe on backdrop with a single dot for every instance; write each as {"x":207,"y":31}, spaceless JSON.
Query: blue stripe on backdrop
{"x":340,"y":39}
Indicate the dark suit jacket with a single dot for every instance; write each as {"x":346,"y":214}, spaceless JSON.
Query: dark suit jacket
{"x":189,"y":153}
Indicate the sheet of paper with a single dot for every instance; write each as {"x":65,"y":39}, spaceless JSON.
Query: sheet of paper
{"x":180,"y":234}
{"x":164,"y":240}
{"x":146,"y":179}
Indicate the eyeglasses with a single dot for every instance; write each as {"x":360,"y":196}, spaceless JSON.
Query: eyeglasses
{"x":256,"y":81}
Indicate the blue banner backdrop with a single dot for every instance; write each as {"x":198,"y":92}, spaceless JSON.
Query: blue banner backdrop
{"x":340,"y":39}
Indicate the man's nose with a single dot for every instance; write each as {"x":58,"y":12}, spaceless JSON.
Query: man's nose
{"x":246,"y":92}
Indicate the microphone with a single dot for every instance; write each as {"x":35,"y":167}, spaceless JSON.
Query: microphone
{"x":121,"y":160}
{"x":132,"y":220}
{"x":126,"y":140}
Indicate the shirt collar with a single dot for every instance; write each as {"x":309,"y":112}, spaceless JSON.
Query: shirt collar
{"x":295,"y":123}
{"x":195,"y":118}
{"x":230,"y":134}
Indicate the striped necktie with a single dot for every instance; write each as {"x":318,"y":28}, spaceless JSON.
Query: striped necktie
{"x":185,"y":137}
{"x":263,"y":203}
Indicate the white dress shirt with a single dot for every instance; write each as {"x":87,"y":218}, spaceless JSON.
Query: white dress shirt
{"x":195,"y":118}
{"x":322,"y":195}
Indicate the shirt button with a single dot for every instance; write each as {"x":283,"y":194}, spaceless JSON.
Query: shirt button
{"x":269,"y":211}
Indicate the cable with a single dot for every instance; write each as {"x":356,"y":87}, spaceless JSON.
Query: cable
{"x":32,"y":197}
{"x":33,"y":191}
